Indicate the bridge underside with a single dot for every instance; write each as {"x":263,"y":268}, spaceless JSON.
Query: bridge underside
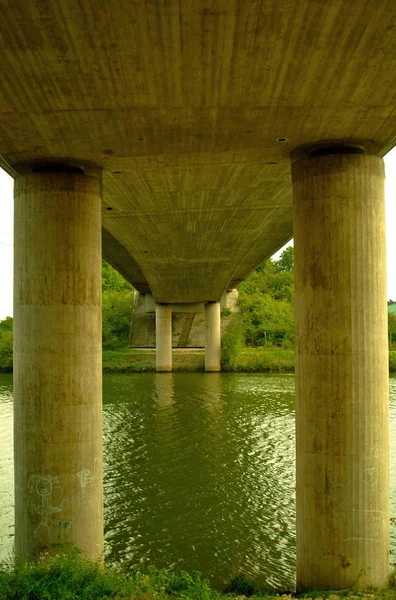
{"x":192,"y":110}
{"x":165,"y":130}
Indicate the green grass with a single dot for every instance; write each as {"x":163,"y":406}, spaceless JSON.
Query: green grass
{"x":248,"y":360}
{"x":264,"y":360}
{"x":69,"y":577}
{"x":132,"y":360}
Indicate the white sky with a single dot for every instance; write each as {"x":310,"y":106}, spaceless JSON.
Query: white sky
{"x":6,"y":234}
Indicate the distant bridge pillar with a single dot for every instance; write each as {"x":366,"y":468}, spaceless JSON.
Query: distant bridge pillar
{"x":341,"y":370}
{"x":212,"y":337}
{"x":58,"y":362}
{"x":163,"y":337}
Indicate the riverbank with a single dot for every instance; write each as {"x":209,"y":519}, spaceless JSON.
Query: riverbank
{"x":142,"y":360}
{"x":248,"y":360}
{"x":69,"y":577}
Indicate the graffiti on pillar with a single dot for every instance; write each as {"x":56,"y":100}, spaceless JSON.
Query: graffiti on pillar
{"x":369,"y":525}
{"x":42,"y":486}
{"x":370,"y":474}
{"x":86,"y":476}
{"x":64,"y":531}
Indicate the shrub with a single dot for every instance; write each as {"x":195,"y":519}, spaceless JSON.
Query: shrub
{"x":392,"y":361}
{"x":241,"y":584}
{"x":116,"y":318}
{"x":6,"y":339}
{"x":232,"y":342}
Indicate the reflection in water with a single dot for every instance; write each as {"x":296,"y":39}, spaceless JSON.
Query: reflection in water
{"x":199,"y":472}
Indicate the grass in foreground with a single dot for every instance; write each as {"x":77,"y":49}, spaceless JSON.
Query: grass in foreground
{"x":69,"y":577}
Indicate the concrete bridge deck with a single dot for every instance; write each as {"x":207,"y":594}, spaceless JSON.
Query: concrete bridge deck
{"x":192,"y":110}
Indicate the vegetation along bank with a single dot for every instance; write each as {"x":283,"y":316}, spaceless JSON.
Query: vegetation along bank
{"x":69,"y":577}
{"x":259,"y":338}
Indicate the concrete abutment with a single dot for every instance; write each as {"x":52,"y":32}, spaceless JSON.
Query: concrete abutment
{"x":342,"y":423}
{"x":58,"y":362}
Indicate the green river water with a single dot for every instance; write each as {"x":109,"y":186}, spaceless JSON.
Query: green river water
{"x":198,"y":473}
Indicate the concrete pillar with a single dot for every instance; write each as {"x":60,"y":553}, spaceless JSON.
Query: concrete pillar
{"x":163,"y":337}
{"x":58,"y":363}
{"x":341,"y":371}
{"x":212,"y":337}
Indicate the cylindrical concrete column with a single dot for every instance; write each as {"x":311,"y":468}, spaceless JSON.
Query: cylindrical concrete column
{"x":341,"y":372}
{"x":163,"y":337}
{"x":213,"y":337}
{"x":58,"y":363}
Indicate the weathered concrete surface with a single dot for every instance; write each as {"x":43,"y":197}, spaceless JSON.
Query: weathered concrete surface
{"x":192,"y":110}
{"x":163,"y":330}
{"x":341,"y":372}
{"x":58,"y":363}
{"x":212,"y":337}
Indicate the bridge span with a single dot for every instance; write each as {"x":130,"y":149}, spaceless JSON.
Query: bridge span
{"x":186,"y":141}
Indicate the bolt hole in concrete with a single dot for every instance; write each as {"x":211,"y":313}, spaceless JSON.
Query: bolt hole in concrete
{"x":198,"y":473}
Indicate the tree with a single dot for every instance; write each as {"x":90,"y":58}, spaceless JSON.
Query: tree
{"x":391,"y":328}
{"x":286,"y":261}
{"x":6,"y":338}
{"x":117,"y":301}
{"x":266,"y":300}
{"x":112,"y":280}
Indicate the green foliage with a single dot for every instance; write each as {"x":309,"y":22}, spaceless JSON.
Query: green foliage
{"x":225,"y":312}
{"x":62,"y":578}
{"x":264,"y":360}
{"x":6,"y":337}
{"x":266,"y":301}
{"x":116,"y":317}
{"x":392,"y":307}
{"x":232,"y":342}
{"x":117,"y":301}
{"x":241,"y":585}
{"x":286,"y":261}
{"x":391,"y":328}
{"x":69,"y":576}
{"x":112,"y":280}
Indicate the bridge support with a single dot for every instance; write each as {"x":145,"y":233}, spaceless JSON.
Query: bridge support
{"x":163,"y":337}
{"x":58,"y":363}
{"x":341,"y":371}
{"x":212,"y":337}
